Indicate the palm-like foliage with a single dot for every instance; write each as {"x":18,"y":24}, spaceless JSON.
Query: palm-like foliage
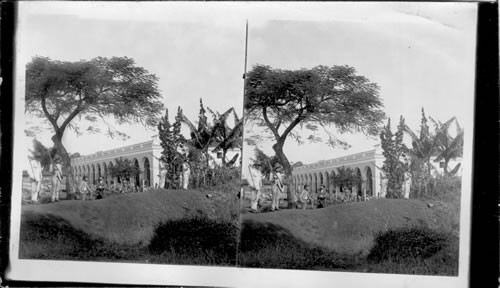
{"x":43,"y":154}
{"x":228,"y":138}
{"x":449,"y":147}
{"x":218,"y":134}
{"x":429,"y":144}
{"x":346,"y":177}
{"x":124,"y":168}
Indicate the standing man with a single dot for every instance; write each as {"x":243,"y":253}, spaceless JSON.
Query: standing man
{"x":186,"y":172}
{"x":56,"y":169}
{"x":256,"y":183}
{"x":163,"y":174}
{"x":35,"y":177}
{"x":277,"y":188}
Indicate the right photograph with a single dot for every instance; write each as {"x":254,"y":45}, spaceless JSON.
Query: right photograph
{"x":354,"y":151}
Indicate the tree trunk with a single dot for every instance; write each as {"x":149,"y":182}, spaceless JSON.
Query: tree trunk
{"x":57,"y":139}
{"x":278,"y":148}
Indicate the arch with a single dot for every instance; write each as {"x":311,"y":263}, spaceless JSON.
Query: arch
{"x":99,"y":174}
{"x":147,"y":171}
{"x":327,"y":182}
{"x":137,"y":179}
{"x":88,"y":173}
{"x":314,"y":188}
{"x":369,"y":182}
{"x":359,"y":187}
{"x":110,"y":177}
{"x":93,"y":174}
{"x":105,"y":172}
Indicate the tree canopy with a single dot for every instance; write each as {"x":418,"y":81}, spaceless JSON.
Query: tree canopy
{"x":328,"y":97}
{"x":61,"y":91}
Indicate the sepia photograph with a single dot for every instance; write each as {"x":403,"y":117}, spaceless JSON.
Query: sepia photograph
{"x":243,"y":144}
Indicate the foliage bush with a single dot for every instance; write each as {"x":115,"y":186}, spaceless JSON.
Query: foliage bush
{"x":197,"y":237}
{"x":404,"y":243}
{"x":447,"y":187}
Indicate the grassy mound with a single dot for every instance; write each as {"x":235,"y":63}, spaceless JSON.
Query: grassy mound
{"x":414,"y":250}
{"x":408,"y":242}
{"x":128,"y":219}
{"x":268,"y":245}
{"x":349,"y":228}
{"x":199,"y":239}
{"x":56,"y":238}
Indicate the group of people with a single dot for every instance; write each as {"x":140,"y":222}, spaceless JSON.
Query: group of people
{"x":303,"y":197}
{"x":36,"y":177}
{"x":277,"y":187}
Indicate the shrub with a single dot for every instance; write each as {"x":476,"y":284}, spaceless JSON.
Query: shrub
{"x":404,"y":243}
{"x":215,"y":241}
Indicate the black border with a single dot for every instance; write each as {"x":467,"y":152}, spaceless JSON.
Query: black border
{"x":7,"y":33}
{"x":484,"y":261}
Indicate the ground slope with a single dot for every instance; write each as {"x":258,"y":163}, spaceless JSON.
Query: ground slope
{"x":348,"y":228}
{"x":124,"y":219}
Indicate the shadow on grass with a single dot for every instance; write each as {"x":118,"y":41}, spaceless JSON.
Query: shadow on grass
{"x":54,"y":238}
{"x":413,"y":250}
{"x":189,"y":241}
{"x":207,"y":241}
{"x":270,"y":246}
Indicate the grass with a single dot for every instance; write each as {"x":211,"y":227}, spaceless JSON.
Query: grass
{"x":201,"y":227}
{"x":270,"y":246}
{"x":416,"y":250}
{"x":207,"y":241}
{"x":136,"y":228}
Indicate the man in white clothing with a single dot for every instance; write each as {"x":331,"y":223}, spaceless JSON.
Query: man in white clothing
{"x":256,"y":185}
{"x":35,"y":174}
{"x":186,"y":172}
{"x":163,"y":174}
{"x":277,"y":188}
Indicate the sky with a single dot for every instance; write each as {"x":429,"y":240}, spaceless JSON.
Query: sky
{"x":421,"y":55}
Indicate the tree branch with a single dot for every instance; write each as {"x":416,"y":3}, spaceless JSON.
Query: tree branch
{"x":48,"y":115}
{"x":270,"y":125}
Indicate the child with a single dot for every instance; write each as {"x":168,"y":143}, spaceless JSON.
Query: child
{"x":304,"y":197}
{"x":85,"y":189}
{"x":100,"y":188}
{"x":322,"y":197}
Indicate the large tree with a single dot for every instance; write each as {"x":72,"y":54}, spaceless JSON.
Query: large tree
{"x":327,"y":97}
{"x":61,"y":92}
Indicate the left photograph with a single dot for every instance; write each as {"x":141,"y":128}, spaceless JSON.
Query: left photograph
{"x":132,"y":137}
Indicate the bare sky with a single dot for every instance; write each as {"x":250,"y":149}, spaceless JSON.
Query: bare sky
{"x":421,"y":55}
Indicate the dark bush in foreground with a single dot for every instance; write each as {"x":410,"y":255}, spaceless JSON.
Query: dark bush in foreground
{"x":208,"y":241}
{"x":270,"y":246}
{"x":415,"y":242}
{"x":54,"y":238}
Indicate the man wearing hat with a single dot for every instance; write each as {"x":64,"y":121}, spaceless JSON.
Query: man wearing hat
{"x":277,"y":187}
{"x":256,"y":184}
{"x":35,"y":174}
{"x":56,"y":169}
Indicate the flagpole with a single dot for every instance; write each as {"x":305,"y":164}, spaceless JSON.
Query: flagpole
{"x":246,"y":51}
